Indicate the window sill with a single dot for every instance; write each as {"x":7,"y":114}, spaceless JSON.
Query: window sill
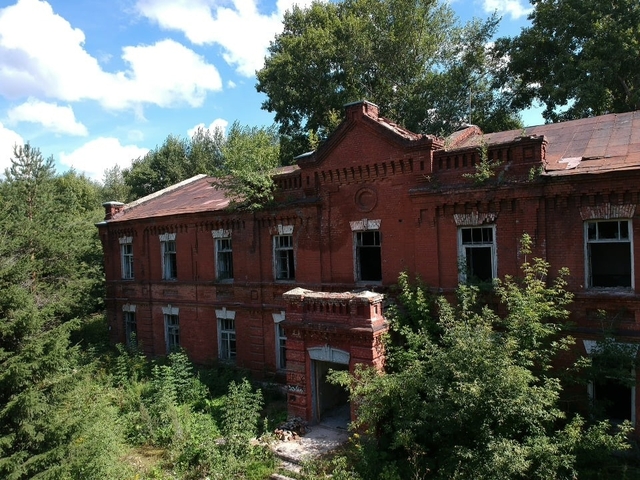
{"x":366,"y":283}
{"x":225,"y":281}
{"x":614,"y":291}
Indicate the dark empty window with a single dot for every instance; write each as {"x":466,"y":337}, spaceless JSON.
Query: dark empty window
{"x":368,"y":256}
{"x":130,"y":327}
{"x":477,"y":252}
{"x":283,"y":257}
{"x":609,"y":254}
{"x":224,"y":259}
{"x":172,"y":332}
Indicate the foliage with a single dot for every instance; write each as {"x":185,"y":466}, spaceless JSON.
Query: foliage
{"x":411,"y":58}
{"x":250,"y":157}
{"x":579,"y":58}
{"x":471,"y":394}
{"x":485,"y":169}
{"x":175,"y":160}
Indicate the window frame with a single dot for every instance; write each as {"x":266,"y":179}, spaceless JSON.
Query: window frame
{"x":126,"y":258}
{"x":588,"y":242}
{"x":129,"y":319}
{"x":358,"y":246}
{"x":227,"y":339}
{"x":169,"y":256}
{"x":223,"y":252}
{"x":463,"y":270}
{"x":172,"y":331}
{"x":280,"y":341}
{"x":280,"y":255}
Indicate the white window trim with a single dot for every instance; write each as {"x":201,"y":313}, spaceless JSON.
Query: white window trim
{"x":462,"y":254}
{"x":364,"y":225}
{"x":590,"y":347}
{"x":224,"y":314}
{"x":587,"y":262}
{"x":277,"y":319}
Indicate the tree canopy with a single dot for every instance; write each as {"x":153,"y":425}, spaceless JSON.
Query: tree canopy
{"x":411,"y":58}
{"x":175,"y":160}
{"x":579,"y":58}
{"x":471,"y":394}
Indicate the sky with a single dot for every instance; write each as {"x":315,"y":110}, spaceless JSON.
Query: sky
{"x":98,"y":83}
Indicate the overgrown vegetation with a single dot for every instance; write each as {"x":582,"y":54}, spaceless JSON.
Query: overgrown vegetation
{"x":469,"y":393}
{"x":70,"y":406}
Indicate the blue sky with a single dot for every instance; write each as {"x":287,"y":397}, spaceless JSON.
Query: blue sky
{"x":97,"y":83}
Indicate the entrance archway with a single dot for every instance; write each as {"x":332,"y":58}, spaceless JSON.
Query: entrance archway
{"x":330,"y":402}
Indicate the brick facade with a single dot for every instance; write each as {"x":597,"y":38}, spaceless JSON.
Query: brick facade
{"x":372,"y":201}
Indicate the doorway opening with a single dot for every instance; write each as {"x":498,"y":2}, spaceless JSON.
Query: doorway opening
{"x":331,"y":402}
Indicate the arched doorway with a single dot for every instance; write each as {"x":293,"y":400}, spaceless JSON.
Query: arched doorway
{"x":330,"y":402}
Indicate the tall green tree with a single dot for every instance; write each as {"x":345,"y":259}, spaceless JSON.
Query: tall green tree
{"x":250,"y":156}
{"x":50,"y":277}
{"x":471,"y":394}
{"x":175,"y":160}
{"x":411,"y":58}
{"x":578,"y":58}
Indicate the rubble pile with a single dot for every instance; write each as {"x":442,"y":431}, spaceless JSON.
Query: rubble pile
{"x":292,"y":429}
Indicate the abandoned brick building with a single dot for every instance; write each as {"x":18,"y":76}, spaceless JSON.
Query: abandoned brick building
{"x":290,"y":291}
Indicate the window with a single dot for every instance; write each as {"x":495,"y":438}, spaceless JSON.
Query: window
{"x":227,"y":327}
{"x":130,"y":325}
{"x":172,"y":331}
{"x":224,"y":259}
{"x":477,"y":250}
{"x":613,"y":391}
{"x":368,"y":256}
{"x":609,"y":254}
{"x":283,"y":257}
{"x":281,"y":347}
{"x":169,"y":264}
{"x":126,"y":258}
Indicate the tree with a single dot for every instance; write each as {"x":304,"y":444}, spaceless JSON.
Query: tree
{"x":470,"y":394}
{"x":175,"y":160}
{"x":411,"y":58}
{"x":579,"y":58}
{"x":250,"y":157}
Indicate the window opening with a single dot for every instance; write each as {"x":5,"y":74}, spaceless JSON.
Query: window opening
{"x":283,"y":257}
{"x":224,"y":259}
{"x":368,"y":256}
{"x":477,"y":254}
{"x":172,"y":331}
{"x":126,"y":250}
{"x":609,"y":254}
{"x":227,"y":338}
{"x":169,"y":264}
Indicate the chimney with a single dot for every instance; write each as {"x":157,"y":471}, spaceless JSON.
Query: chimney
{"x":111,"y":209}
{"x":358,"y":109}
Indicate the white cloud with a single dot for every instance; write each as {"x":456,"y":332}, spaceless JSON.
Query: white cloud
{"x":217,"y":124}
{"x":50,"y":115}
{"x":8,"y":138}
{"x":94,"y":157}
{"x":515,"y":8}
{"x":242,"y":31}
{"x":43,"y":56}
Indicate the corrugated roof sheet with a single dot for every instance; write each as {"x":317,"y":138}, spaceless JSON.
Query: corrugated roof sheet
{"x":589,"y":145}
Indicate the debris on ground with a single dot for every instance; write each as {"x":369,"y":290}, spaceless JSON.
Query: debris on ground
{"x":291,"y":430}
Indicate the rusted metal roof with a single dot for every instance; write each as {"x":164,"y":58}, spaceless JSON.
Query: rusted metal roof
{"x":193,"y":195}
{"x":589,"y":145}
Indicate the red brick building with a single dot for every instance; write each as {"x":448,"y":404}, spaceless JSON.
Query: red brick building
{"x":290,"y":291}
